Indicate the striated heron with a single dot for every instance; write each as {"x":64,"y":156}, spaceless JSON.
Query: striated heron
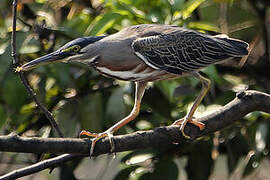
{"x":145,"y":53}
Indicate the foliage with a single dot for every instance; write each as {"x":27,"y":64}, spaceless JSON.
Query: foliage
{"x":82,"y":99}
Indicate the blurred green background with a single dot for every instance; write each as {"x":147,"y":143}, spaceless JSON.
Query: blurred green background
{"x":80,"y":98}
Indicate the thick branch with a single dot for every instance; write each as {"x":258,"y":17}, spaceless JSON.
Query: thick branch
{"x":161,"y":137}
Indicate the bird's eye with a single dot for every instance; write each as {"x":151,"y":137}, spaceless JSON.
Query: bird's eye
{"x":76,"y":48}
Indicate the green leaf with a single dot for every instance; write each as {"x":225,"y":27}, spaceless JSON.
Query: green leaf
{"x":29,"y":49}
{"x":102,"y":23}
{"x":139,"y":159}
{"x":124,"y":174}
{"x":189,"y":7}
{"x":212,"y":72}
{"x":28,"y":108}
{"x":127,"y":9}
{"x":224,"y":1}
{"x":176,"y":4}
{"x":127,"y":158}
{"x":30,"y":45}
{"x":204,"y":26}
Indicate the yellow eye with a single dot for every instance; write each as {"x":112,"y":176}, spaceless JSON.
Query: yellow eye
{"x":76,"y":48}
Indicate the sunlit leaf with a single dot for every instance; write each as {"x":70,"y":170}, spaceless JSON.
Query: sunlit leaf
{"x":261,"y":135}
{"x":28,"y":108}
{"x":168,"y":88}
{"x":29,"y":49}
{"x":128,"y":9}
{"x":253,"y":116}
{"x":176,"y":4}
{"x":124,"y":174}
{"x":145,"y":154}
{"x":203,"y":26}
{"x":189,"y":7}
{"x":212,"y":72}
{"x":144,"y":125}
{"x":139,"y":159}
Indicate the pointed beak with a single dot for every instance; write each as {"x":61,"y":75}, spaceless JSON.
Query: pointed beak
{"x":55,"y":56}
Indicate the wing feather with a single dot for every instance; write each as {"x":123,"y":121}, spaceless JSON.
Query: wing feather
{"x":186,"y":50}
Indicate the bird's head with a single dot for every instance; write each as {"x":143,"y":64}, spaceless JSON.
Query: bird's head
{"x":77,"y":49}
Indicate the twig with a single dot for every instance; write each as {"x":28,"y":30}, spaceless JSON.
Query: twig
{"x":53,"y":162}
{"x":159,"y":138}
{"x":22,"y":76}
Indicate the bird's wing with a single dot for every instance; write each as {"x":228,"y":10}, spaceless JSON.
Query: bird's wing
{"x":182,"y":50}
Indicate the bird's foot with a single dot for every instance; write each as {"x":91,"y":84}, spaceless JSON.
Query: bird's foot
{"x":97,"y":137}
{"x":182,"y":122}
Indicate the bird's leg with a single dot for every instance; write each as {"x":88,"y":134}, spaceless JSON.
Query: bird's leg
{"x":139,"y":91}
{"x":188,"y":118}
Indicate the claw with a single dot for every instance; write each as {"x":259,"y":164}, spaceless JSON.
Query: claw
{"x":97,"y":137}
{"x":183,"y":123}
{"x":182,"y":129}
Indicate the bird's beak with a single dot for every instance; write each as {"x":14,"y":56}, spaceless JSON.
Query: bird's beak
{"x":55,"y":56}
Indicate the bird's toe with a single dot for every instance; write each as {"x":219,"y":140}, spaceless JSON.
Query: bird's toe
{"x":98,"y":137}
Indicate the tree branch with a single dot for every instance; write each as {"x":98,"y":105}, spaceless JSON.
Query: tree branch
{"x":53,"y":162}
{"x":159,"y":138}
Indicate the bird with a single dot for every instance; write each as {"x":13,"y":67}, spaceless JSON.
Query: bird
{"x":145,"y":53}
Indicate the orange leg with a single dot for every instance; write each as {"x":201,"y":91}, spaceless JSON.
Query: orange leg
{"x":140,"y":88}
{"x":196,"y":123}
{"x":188,"y":118}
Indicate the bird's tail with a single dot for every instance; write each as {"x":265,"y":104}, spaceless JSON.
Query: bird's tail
{"x":234,"y":47}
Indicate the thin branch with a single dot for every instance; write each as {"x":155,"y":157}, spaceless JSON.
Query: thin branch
{"x":159,"y":138}
{"x":24,"y":80}
{"x":53,"y":162}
